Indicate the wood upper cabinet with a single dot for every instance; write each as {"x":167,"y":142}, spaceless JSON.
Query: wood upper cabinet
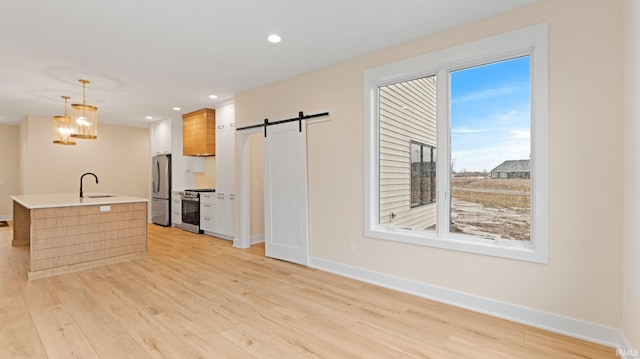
{"x":199,"y":133}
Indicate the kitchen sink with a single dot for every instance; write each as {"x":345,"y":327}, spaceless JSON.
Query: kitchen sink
{"x":101,"y":196}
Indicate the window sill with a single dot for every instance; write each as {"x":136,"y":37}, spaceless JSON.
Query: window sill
{"x":510,"y":249}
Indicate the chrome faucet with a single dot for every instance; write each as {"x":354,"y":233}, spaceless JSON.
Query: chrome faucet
{"x":81,"y":177}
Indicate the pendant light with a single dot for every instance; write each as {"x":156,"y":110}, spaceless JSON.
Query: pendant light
{"x":62,"y":127}
{"x":85,"y":118}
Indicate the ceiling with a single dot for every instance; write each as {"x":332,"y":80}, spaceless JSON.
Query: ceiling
{"x":145,"y":57}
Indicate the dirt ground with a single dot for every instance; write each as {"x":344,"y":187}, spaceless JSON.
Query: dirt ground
{"x":475,"y":218}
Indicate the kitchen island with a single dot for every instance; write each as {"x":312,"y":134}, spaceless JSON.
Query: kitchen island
{"x":67,"y":233}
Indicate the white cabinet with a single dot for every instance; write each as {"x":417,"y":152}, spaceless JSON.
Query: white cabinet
{"x":226,"y":214}
{"x":225,"y":149}
{"x":208,"y":212}
{"x":225,"y":169}
{"x":161,"y":137}
{"x":217,"y":214}
{"x":193,"y":164}
{"x":176,"y":209}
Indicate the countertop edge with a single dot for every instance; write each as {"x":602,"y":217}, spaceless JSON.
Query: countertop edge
{"x":69,"y":201}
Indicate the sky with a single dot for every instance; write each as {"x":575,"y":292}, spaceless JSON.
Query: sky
{"x":490,"y":114}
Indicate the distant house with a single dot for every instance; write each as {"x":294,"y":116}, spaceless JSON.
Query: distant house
{"x":513,"y":169}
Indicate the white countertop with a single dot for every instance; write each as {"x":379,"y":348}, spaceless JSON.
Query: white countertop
{"x":71,"y":199}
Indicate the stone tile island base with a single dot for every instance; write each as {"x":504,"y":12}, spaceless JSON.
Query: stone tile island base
{"x":67,"y":239}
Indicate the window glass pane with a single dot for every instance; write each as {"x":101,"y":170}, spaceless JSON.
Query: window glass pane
{"x":423,"y":174}
{"x":491,"y":149}
{"x":416,"y":174}
{"x":428,"y":175}
{"x":407,"y":138}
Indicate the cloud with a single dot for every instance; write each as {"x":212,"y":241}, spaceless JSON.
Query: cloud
{"x":465,"y":130}
{"x":484,"y":94}
{"x":521,"y":133}
{"x":488,"y":157}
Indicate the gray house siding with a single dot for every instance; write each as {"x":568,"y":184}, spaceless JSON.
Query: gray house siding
{"x":407,"y":113}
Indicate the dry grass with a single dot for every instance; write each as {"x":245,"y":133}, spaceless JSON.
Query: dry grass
{"x":495,"y":193}
{"x":493,"y":200}
{"x":506,"y":184}
{"x":486,"y":206}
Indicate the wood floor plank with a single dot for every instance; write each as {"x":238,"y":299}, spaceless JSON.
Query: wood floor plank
{"x":8,"y":283}
{"x":559,"y":345}
{"x":465,"y":349}
{"x":38,"y":294}
{"x":321,"y":331}
{"x":60,"y":334}
{"x":260,"y":345}
{"x":429,"y":346}
{"x":150,"y":334}
{"x":64,"y":283}
{"x":18,"y":334}
{"x":196,"y":296}
{"x":196,"y":332}
{"x":105,"y":334}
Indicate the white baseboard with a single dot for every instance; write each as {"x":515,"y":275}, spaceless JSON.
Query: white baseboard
{"x":626,"y":351}
{"x":259,"y":238}
{"x":255,"y":239}
{"x":556,"y":323}
{"x":6,"y":218}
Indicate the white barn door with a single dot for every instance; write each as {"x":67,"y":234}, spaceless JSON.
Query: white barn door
{"x":285,"y":186}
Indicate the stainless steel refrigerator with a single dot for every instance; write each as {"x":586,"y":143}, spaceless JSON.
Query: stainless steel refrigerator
{"x":161,"y":190}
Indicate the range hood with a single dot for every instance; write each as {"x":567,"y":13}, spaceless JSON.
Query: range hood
{"x":199,"y":133}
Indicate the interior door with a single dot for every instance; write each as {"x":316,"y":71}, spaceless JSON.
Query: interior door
{"x":285,"y":186}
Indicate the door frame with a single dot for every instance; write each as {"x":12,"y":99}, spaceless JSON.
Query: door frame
{"x":243,"y":210}
{"x":242,"y":238}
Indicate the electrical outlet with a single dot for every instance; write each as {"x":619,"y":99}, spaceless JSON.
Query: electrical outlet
{"x":352,"y":246}
{"x":105,"y":208}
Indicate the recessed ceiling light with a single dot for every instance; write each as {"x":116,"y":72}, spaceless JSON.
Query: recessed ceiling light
{"x":273,"y":38}
{"x":213,"y":97}
{"x":177,"y":109}
{"x":149,"y":118}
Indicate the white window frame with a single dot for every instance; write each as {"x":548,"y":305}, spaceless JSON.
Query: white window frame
{"x":532,"y":41}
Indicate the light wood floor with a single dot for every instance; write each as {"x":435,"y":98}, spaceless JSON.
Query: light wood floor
{"x":195,"y":296}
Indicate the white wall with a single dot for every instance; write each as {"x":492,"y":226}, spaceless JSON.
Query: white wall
{"x":119,"y":157}
{"x":631,"y":179}
{"x":207,"y":179}
{"x":256,"y":172}
{"x":582,"y":280}
{"x":9,"y":168}
{"x":180,"y":178}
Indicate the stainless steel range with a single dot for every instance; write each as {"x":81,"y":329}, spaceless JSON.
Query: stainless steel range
{"x":191,"y":209}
